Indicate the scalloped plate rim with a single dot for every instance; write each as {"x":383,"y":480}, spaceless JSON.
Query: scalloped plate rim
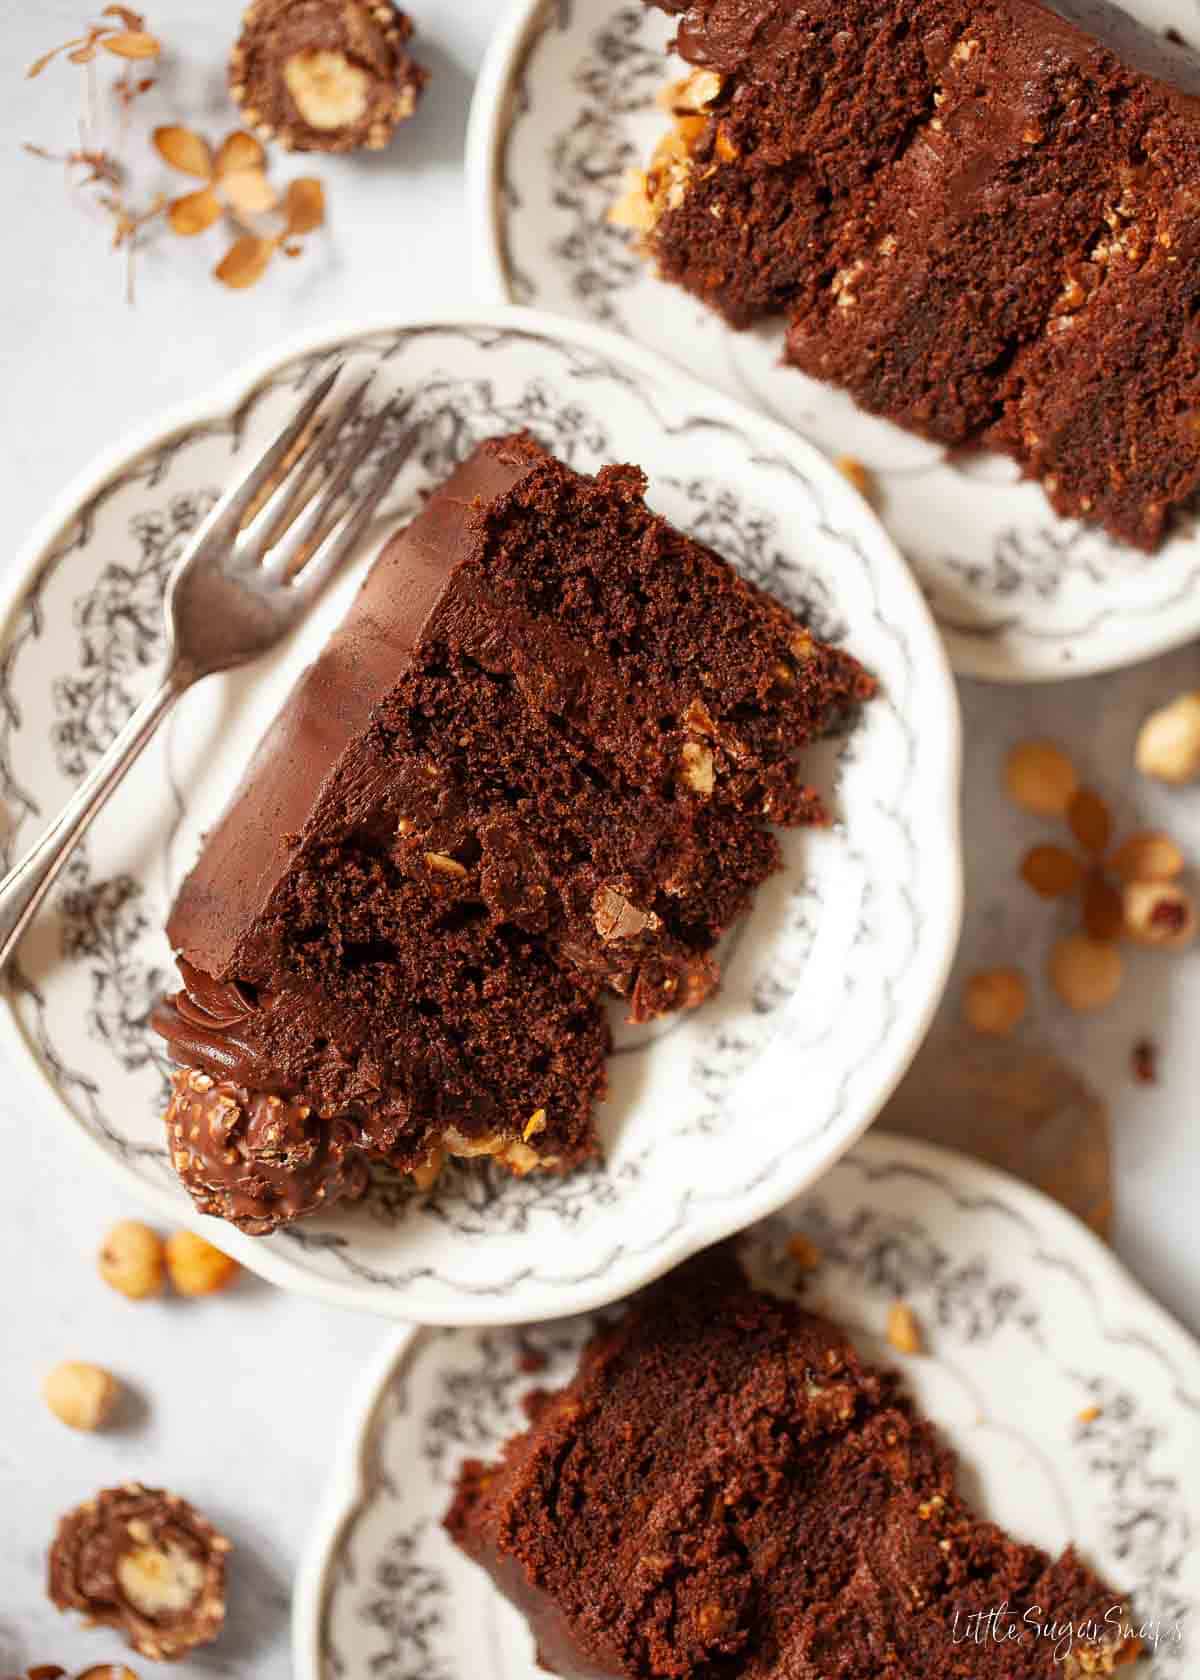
{"x":476,"y":1309}
{"x":981,"y":654}
{"x":1119,"y":1298}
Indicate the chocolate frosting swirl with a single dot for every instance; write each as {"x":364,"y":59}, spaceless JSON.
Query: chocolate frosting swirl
{"x":209,"y":1024}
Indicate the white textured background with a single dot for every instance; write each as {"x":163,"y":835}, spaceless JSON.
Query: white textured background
{"x":236,"y":1401}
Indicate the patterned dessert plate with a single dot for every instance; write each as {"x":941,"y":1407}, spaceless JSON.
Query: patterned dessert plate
{"x":1073,"y":1400}
{"x":564,"y":106}
{"x":712,"y":1122}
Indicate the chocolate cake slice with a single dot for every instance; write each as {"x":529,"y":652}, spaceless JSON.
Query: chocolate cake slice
{"x":724,"y":1489}
{"x":980,"y":217}
{"x":536,"y":763}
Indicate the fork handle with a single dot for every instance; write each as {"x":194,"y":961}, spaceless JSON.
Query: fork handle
{"x":24,"y":887}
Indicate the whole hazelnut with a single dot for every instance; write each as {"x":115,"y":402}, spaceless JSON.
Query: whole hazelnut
{"x":1168,"y":746}
{"x":195,"y":1267}
{"x":131,"y":1260}
{"x":1086,"y":973}
{"x":995,"y":1001}
{"x":1041,"y":778}
{"x":1160,"y":913}
{"x":81,"y":1396}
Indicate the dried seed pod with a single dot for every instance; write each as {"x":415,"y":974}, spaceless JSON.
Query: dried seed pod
{"x":1085,"y":973}
{"x":1160,"y":913}
{"x":996,"y":1001}
{"x":1168,"y":746}
{"x":144,"y":1563}
{"x":1051,"y":871}
{"x":254,"y":1159}
{"x":1148,"y":856}
{"x":1041,"y":778}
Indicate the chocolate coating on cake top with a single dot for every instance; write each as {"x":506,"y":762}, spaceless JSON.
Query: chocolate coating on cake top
{"x":725,"y":35}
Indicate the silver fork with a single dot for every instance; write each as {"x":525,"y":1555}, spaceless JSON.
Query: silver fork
{"x":251,"y":571}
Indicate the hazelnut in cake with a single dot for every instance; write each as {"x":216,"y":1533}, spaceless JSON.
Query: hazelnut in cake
{"x":979,"y":217}
{"x":538,"y":763}
{"x":724,"y":1489}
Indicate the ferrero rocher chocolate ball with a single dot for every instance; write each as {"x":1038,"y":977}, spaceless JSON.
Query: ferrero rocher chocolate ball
{"x":325,"y":75}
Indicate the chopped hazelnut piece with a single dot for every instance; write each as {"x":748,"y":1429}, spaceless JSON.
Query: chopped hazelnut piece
{"x":697,"y":768}
{"x":1085,"y":973}
{"x":427,"y":1174}
{"x":520,"y":1159}
{"x":1040,"y":778}
{"x":443,"y":865}
{"x":996,"y":1001}
{"x":132,"y":1260}
{"x":1168,"y":746}
{"x":195,"y":1267}
{"x":635,"y":208}
{"x":81,"y":1396}
{"x":1160,"y":913}
{"x":329,"y":92}
{"x":692,"y":94}
{"x":903,"y":1330}
{"x":489,"y":1143}
{"x":145,"y":1563}
{"x":535,"y":1124}
{"x":615,"y":917}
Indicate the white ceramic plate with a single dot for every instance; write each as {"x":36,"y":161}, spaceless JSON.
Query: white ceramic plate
{"x":564,"y":106}
{"x":1029,"y":1321}
{"x":713,"y":1121}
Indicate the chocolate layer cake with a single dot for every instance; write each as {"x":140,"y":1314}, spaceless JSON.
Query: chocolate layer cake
{"x":979,"y":215}
{"x":725,"y":1490}
{"x":536,"y":763}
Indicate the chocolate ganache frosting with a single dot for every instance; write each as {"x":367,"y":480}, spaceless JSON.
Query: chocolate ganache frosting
{"x":207,"y":1024}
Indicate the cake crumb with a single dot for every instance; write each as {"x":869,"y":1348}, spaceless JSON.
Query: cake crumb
{"x":903,"y":1330}
{"x":1089,"y":1414}
{"x":806,"y":1254}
